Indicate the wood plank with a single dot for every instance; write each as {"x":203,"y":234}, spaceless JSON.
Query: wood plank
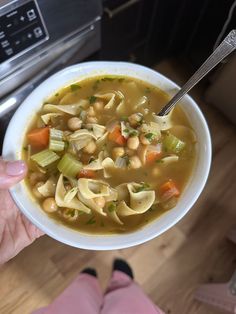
{"x":170,"y":267}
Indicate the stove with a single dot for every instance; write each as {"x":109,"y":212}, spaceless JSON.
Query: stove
{"x":38,"y":38}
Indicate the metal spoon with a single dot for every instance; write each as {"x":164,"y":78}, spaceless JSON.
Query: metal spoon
{"x":223,"y":50}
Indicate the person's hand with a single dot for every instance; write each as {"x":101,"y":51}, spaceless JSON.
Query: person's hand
{"x":16,"y":232}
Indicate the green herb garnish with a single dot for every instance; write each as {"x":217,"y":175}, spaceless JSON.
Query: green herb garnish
{"x":107,"y":78}
{"x":147,"y":90}
{"x":144,"y":186}
{"x":160,"y":161}
{"x":91,"y":160}
{"x":133,"y":133}
{"x":80,"y":212}
{"x":126,"y":130}
{"x":111,"y":207}
{"x":124,"y":118}
{"x":57,"y":94}
{"x":74,"y":87}
{"x":91,"y":221}
{"x":150,"y":136}
{"x":92,"y":99}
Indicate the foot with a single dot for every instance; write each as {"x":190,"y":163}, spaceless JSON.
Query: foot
{"x":89,"y":271}
{"x":121,"y":265}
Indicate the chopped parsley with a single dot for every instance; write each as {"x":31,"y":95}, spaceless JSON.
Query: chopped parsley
{"x":80,"y":212}
{"x":75,"y":87}
{"x":91,"y":221}
{"x":144,"y":187}
{"x":160,"y":161}
{"x":111,"y":207}
{"x":133,"y":133}
{"x":107,"y":78}
{"x":150,"y":136}
{"x":92,"y":99}
{"x":91,"y":160}
{"x":57,"y":94}
{"x":147,"y":90}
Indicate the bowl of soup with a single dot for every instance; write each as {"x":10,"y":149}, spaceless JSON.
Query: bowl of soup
{"x":105,"y":172}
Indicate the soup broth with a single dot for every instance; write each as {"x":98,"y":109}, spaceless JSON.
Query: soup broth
{"x":99,"y":159}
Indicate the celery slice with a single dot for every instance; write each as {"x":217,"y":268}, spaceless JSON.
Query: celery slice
{"x":69,"y":166}
{"x":56,"y":146}
{"x":56,"y":134}
{"x":173,"y":144}
{"x":45,"y":157}
{"x":56,"y":142}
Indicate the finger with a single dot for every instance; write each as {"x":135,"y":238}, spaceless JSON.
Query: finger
{"x":11,"y":172}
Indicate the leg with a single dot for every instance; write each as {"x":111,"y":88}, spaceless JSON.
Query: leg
{"x":84,"y":295}
{"x":126,"y":297}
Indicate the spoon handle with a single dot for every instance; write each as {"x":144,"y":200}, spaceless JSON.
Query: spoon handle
{"x":222,"y":51}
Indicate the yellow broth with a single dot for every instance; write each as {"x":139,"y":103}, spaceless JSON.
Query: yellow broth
{"x":155,"y":174}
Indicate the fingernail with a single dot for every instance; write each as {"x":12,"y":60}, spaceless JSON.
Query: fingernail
{"x":15,"y":168}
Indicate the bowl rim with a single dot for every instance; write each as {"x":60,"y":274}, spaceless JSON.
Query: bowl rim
{"x":134,"y":241}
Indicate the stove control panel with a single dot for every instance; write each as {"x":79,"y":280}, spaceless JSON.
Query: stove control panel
{"x":21,"y":29}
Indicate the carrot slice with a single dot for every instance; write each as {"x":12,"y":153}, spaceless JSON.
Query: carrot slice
{"x":39,"y":138}
{"x":116,"y":136}
{"x":168,"y":190}
{"x":90,"y":174}
{"x":152,"y":156}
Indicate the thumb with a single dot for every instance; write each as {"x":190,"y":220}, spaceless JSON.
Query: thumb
{"x":11,"y":172}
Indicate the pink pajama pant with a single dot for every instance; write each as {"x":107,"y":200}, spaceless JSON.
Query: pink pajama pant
{"x":84,"y":296}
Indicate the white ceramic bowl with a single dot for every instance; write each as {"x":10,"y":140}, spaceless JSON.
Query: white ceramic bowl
{"x":14,"y":140}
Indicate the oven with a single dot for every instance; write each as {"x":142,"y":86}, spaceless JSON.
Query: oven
{"x":38,"y":38}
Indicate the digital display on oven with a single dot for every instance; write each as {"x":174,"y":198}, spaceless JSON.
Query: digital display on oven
{"x":20,"y":29}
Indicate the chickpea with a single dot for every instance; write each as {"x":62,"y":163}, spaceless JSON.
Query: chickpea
{"x":135,"y":119}
{"x":70,"y":214}
{"x":50,"y":205}
{"x":129,"y":152}
{"x":100,"y":201}
{"x":135,"y":162}
{"x":91,"y":112}
{"x":91,"y":119}
{"x":133,"y":142}
{"x":90,"y":148}
{"x":144,"y":140}
{"x":36,"y":191}
{"x":98,"y":105}
{"x":118,"y":152}
{"x":74,"y":123}
{"x":35,"y":177}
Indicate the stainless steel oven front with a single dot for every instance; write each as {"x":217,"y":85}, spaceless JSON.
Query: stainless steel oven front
{"x":39,"y":37}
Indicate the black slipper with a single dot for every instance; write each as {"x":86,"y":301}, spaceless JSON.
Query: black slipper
{"x":89,"y":271}
{"x":122,"y":265}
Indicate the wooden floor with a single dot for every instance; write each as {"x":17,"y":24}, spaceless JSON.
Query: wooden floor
{"x":169,"y":267}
